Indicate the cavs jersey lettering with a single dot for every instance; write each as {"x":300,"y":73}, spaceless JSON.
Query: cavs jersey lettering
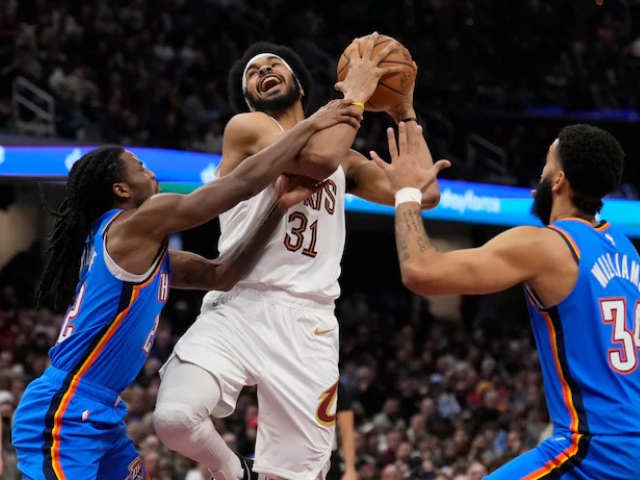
{"x":109,"y":330}
{"x":303,"y":255}
{"x":589,"y":344}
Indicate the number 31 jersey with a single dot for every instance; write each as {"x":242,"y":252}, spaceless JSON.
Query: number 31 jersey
{"x":589,"y":343}
{"x":109,"y":330}
{"x":303,"y":255}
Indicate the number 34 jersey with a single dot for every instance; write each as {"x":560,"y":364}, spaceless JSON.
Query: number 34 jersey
{"x":109,"y":330}
{"x":303,"y":255}
{"x":589,"y":343}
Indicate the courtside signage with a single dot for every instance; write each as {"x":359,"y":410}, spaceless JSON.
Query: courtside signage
{"x":461,"y":201}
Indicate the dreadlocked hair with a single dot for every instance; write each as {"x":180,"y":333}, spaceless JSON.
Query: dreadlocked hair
{"x":89,"y":195}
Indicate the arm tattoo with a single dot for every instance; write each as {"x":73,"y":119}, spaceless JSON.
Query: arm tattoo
{"x":411,"y":237}
{"x":190,"y":270}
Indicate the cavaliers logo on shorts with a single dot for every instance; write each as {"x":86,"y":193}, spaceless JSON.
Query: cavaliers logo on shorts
{"x":327,"y":400}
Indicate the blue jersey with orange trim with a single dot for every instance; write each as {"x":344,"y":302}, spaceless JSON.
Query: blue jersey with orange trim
{"x":109,"y":330}
{"x":589,"y":343}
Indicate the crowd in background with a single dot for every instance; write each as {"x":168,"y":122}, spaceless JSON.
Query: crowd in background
{"x":143,"y":72}
{"x":433,"y":399}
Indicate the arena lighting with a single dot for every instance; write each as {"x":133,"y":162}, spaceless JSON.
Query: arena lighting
{"x":179,"y":171}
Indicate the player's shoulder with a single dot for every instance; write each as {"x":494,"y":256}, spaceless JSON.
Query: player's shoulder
{"x":525,"y":236}
{"x":528,"y":242}
{"x":546,"y":247}
{"x":250,"y":124}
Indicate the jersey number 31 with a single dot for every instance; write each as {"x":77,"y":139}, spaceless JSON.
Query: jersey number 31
{"x":623,"y":357}
{"x":293,"y":242}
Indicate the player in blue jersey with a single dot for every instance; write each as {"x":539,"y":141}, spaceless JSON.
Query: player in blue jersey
{"x":582,"y":280}
{"x":109,"y":259}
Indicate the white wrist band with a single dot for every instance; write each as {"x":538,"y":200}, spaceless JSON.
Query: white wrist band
{"x":408,"y":194}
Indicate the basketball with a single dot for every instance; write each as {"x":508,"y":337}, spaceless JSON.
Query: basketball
{"x":392,"y":88}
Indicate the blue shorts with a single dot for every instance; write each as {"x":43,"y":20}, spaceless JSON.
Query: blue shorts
{"x":576,"y":457}
{"x":70,"y":431}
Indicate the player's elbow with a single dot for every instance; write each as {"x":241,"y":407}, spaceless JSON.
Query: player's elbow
{"x":319,"y":165}
{"x":431,"y":198}
{"x":417,"y":280}
{"x":432,"y":202}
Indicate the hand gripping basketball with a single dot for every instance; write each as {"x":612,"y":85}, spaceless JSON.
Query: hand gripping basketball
{"x":364,"y":70}
{"x":394,"y":91}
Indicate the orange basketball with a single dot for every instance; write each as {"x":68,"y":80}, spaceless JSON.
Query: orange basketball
{"x":392,"y":88}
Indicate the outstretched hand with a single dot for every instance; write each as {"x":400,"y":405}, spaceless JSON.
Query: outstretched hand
{"x":405,"y":170}
{"x":294,"y":189}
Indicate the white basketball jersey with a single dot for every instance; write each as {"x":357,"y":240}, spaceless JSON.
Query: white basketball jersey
{"x":303,"y":255}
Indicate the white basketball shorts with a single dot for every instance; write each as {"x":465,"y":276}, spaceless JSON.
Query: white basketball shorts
{"x":289,"y":348}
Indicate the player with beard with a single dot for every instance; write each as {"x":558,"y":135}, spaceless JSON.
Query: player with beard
{"x":581,"y":277}
{"x":277,"y":329}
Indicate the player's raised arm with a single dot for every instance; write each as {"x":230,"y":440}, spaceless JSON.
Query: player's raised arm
{"x":515,"y":256}
{"x":167,"y":213}
{"x":366,"y":180}
{"x":327,"y":149}
{"x":193,"y":272}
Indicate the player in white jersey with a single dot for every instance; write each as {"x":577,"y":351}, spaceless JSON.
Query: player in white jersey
{"x":277,"y":328}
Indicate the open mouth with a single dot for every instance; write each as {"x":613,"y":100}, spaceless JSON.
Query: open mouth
{"x":269,"y":82}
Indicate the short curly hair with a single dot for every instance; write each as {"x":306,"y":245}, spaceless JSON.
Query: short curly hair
{"x":593,"y":161}
{"x":234,"y":82}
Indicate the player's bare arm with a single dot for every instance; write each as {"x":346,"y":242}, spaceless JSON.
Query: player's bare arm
{"x":519,"y":255}
{"x":366,"y":180}
{"x":247,"y":134}
{"x":190,"y":271}
{"x":138,"y":233}
{"x":193,"y":272}
{"x":326,"y":150}
{"x":525,"y":254}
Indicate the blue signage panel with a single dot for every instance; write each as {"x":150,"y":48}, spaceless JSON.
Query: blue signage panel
{"x":168,"y":165}
{"x":461,"y":201}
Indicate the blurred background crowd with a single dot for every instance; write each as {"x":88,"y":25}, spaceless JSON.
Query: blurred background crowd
{"x":143,"y":72}
{"x":433,"y":399}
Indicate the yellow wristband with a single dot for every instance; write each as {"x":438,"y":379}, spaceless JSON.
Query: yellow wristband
{"x":360,"y":104}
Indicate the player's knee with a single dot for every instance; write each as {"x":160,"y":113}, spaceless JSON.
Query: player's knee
{"x":174,"y":423}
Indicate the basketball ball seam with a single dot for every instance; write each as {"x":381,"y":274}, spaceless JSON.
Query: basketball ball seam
{"x":398,"y":63}
{"x":345,"y":65}
{"x":382,"y":42}
{"x":392,"y":89}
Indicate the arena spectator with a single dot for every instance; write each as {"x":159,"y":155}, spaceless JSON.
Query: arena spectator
{"x":157,"y":70}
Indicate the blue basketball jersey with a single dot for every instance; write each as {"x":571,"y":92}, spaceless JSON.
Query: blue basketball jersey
{"x":109,"y":330}
{"x":589,"y":343}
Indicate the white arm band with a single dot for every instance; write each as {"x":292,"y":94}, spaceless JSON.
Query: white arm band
{"x":408,"y":195}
